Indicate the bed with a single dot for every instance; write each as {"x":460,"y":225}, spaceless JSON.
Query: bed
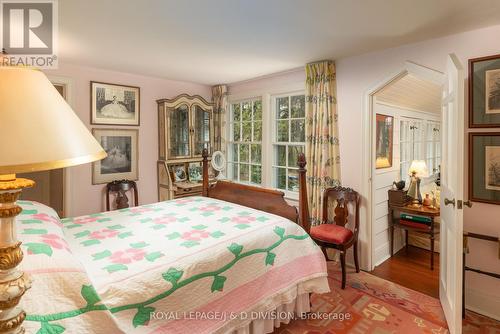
{"x":209,"y":264}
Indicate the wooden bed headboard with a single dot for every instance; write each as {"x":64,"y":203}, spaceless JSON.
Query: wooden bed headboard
{"x":266,"y":200}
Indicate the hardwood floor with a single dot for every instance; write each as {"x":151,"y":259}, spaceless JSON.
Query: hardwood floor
{"x":411,"y":268}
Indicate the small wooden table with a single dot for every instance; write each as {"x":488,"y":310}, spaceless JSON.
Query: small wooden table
{"x":431,"y":230}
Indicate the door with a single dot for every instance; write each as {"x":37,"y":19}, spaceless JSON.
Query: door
{"x":179,"y":131}
{"x":201,"y":125}
{"x":452,"y":178}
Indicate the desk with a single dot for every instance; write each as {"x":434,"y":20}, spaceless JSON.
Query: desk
{"x":431,"y":230}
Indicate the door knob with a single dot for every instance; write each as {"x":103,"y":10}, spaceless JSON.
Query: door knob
{"x":468,"y":203}
{"x":449,"y":201}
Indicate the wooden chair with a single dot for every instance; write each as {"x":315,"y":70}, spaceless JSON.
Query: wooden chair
{"x":121,"y":188}
{"x":335,"y":234}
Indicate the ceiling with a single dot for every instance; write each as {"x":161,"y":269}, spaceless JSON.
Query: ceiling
{"x":224,"y":41}
{"x":411,"y":92}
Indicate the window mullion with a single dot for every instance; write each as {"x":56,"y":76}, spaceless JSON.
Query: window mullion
{"x":267,"y":137}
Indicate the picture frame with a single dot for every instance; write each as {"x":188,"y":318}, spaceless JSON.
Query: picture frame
{"x":484,"y":92}
{"x":384,"y":141}
{"x":114,"y":104}
{"x":484,"y":167}
{"x":195,"y":172}
{"x":122,"y":162}
{"x":179,"y":173}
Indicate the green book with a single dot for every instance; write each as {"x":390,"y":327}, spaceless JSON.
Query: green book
{"x":417,"y":219}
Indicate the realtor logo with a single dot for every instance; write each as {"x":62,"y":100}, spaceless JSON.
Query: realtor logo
{"x":29,"y":32}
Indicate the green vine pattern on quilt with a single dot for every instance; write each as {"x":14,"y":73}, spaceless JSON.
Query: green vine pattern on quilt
{"x":172,"y":275}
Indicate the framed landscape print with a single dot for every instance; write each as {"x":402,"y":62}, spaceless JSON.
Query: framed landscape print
{"x":484,"y":92}
{"x":114,"y":104}
{"x":384,"y":137}
{"x":122,"y":160}
{"x":493,"y":92}
{"x":484,"y":167}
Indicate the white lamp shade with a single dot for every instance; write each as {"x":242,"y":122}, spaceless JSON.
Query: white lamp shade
{"x":38,"y":129}
{"x":419,"y":167}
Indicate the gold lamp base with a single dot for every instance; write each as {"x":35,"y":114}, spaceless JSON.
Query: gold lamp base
{"x":415,"y":204}
{"x":13,"y":283}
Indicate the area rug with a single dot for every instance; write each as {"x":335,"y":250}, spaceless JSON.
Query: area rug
{"x":370,"y":304}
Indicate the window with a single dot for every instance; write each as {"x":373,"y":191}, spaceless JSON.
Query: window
{"x":245,"y":142}
{"x":419,"y":140}
{"x":288,"y":140}
{"x":266,"y":134}
{"x":433,"y":147}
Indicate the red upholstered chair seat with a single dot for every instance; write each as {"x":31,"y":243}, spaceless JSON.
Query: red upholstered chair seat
{"x":331,"y":233}
{"x":337,"y":236}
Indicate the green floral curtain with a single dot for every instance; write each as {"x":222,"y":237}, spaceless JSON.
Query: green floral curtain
{"x":219,"y":99}
{"x":322,"y":143}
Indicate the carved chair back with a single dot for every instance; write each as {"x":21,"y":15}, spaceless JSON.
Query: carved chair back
{"x":342,"y":197}
{"x":120,"y":188}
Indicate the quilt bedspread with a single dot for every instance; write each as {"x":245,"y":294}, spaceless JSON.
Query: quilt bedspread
{"x":62,"y":298}
{"x":192,"y":265}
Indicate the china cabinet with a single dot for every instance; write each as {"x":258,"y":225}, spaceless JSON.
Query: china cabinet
{"x":185,"y":128}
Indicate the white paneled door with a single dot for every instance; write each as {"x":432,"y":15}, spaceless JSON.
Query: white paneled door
{"x":452,"y":179}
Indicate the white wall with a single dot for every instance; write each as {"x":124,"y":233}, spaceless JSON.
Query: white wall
{"x":355,"y":76}
{"x":382,"y":182}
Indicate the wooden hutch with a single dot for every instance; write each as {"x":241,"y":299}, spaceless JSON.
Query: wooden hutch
{"x":185,"y":128}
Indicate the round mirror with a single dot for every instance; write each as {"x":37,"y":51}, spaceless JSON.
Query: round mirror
{"x":218,"y":161}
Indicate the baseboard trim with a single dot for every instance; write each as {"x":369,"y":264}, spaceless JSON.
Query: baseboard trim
{"x":383,"y":252}
{"x":382,"y":260}
{"x":482,"y":303}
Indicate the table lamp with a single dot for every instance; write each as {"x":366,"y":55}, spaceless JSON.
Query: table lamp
{"x":38,"y":131}
{"x":418,"y":170}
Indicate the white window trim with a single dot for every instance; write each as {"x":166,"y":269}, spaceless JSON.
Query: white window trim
{"x":250,"y":143}
{"x":288,"y":194}
{"x":268,"y":127}
{"x":424,"y":122}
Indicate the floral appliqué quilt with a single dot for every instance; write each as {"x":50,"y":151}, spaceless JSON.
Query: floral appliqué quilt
{"x":184,"y":257}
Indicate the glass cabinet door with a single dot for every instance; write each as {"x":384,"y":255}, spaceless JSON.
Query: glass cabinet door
{"x":201,"y":124}
{"x":179,"y":132}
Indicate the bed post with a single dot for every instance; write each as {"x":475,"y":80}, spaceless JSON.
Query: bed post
{"x":304,"y":218}
{"x":204,"y":191}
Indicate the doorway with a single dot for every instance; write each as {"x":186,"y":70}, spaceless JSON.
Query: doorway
{"x":451,"y":179}
{"x":405,"y":126}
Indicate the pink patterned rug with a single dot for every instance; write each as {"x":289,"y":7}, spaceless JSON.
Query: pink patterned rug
{"x":370,"y":304}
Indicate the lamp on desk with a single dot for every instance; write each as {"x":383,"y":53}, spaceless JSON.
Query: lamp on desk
{"x":38,"y":131}
{"x":418,"y":170}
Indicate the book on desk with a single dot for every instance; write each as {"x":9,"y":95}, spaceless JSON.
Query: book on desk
{"x":415,"y":221}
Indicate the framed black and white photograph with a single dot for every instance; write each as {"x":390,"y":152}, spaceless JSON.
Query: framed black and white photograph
{"x":122,"y":160}
{"x":484,"y":92}
{"x":114,"y":104}
{"x":484,"y":167}
{"x":179,"y":172}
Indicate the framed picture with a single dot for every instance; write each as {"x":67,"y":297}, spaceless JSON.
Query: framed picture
{"x":179,"y":172}
{"x":384,"y":137}
{"x":114,"y":104}
{"x":484,"y":167}
{"x":195,"y":172}
{"x":484,"y":92}
{"x":123,"y":155}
